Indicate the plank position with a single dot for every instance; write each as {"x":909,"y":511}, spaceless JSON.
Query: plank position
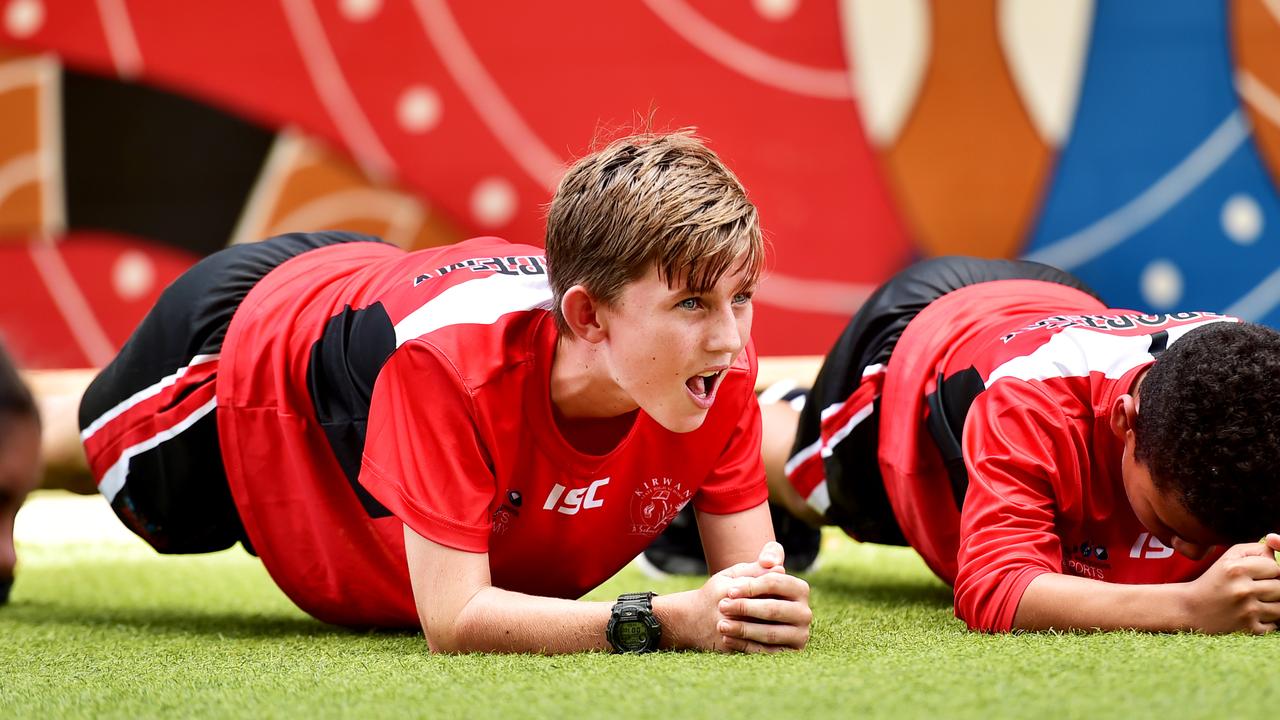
{"x":1061,"y":464}
{"x":464,"y":438}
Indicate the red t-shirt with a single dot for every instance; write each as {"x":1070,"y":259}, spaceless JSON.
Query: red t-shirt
{"x":460,"y":442}
{"x":1045,"y":492}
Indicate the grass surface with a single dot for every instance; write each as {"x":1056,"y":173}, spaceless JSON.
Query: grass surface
{"x":114,"y":630}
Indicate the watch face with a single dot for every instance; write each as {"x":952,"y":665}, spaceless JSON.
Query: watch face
{"x":632,"y":634}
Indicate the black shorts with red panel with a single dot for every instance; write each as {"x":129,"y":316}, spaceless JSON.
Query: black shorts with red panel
{"x":148,"y":420}
{"x":845,"y":398}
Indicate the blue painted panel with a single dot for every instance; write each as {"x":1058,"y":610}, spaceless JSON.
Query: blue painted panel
{"x":1159,"y":148}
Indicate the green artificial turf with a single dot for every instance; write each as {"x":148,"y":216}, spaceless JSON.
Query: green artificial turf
{"x":114,"y":630}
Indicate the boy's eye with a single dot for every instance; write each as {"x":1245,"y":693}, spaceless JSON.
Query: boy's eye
{"x":742,"y":298}
{"x":692,"y":303}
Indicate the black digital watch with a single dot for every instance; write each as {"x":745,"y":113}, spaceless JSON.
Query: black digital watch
{"x":632,"y":626}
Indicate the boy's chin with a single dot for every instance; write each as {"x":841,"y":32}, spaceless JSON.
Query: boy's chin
{"x":681,"y":422}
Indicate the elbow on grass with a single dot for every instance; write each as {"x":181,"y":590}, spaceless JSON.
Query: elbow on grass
{"x":454,"y":636}
{"x":441,"y":644}
{"x":971,"y":613}
{"x":439,"y":636}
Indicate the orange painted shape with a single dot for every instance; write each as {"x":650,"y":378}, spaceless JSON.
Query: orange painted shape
{"x":437,"y":229}
{"x":21,"y":213}
{"x":969,"y":166}
{"x":1255,"y":45}
{"x":317,"y":189}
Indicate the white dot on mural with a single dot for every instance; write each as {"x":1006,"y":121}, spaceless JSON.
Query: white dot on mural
{"x":419,"y":109}
{"x":359,"y":10}
{"x":493,"y":202}
{"x":1242,"y":219}
{"x":776,"y":10}
{"x":134,"y":275}
{"x":1161,"y":284}
{"x":22,"y":18}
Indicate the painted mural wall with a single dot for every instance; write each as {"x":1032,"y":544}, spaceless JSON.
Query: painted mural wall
{"x":1134,"y":142}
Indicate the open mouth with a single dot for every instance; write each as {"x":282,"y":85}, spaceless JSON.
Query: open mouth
{"x":703,"y":385}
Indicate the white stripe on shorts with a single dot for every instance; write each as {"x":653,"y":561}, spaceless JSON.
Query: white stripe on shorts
{"x":819,"y":499}
{"x":113,"y":479}
{"x":141,"y":395}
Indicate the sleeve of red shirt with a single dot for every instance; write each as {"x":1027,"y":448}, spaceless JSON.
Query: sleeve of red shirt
{"x":423,"y":458}
{"x":737,"y":483}
{"x":1017,"y":442}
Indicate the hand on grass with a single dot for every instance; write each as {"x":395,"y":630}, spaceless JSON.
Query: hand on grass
{"x":1239,"y":592}
{"x":759,"y":607}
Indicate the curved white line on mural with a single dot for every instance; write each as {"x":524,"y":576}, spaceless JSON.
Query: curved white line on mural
{"x":886,"y":46}
{"x":71,"y":303}
{"x":18,"y":172}
{"x":1107,"y":232}
{"x":331,"y":85}
{"x":322,"y":212}
{"x":493,"y":107}
{"x":1259,"y":301}
{"x":1265,"y":296}
{"x":1257,"y":94}
{"x":831,"y":297}
{"x":747,"y":60}
{"x":122,"y":43}
{"x":1274,"y":7}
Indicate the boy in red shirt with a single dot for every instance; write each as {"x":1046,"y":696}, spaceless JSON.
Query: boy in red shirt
{"x":465,"y":438}
{"x":1062,"y":464}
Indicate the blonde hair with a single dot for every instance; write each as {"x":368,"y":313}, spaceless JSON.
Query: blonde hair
{"x":660,"y":199}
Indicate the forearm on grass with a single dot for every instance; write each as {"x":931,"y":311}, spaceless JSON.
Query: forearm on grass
{"x":497,"y":620}
{"x":1054,"y":601}
{"x":461,"y":611}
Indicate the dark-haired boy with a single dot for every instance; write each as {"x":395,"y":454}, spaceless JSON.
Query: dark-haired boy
{"x":1061,"y":464}
{"x":464,"y":438}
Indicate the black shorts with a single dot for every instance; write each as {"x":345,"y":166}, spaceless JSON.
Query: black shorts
{"x":148,"y":420}
{"x":859,"y":503}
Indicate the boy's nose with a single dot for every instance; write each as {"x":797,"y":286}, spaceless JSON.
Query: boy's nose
{"x":724,"y":336}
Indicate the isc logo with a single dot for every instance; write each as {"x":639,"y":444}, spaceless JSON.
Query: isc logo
{"x":576,"y":499}
{"x":1149,"y":546}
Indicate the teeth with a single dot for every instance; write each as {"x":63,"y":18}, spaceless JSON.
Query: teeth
{"x":708,"y":382}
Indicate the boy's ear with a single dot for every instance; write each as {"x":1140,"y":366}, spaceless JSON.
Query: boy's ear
{"x":582,"y":313}
{"x":1124,"y":410}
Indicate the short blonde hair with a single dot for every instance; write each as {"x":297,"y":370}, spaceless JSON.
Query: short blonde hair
{"x":661,"y":199}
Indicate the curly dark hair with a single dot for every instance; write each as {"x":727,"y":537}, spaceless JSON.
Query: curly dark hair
{"x":1208,"y":427}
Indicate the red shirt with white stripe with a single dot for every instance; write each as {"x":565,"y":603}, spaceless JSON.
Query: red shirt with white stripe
{"x":1045,"y":492}
{"x":462,"y":445}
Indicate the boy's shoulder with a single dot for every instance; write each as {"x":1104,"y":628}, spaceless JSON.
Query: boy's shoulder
{"x":1109,"y":344}
{"x":476,"y":282}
